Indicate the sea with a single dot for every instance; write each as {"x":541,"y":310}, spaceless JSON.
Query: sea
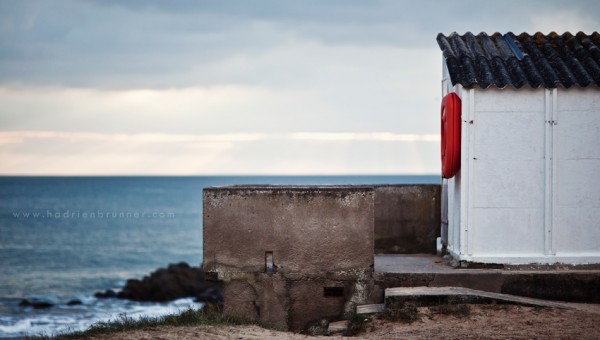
{"x":66,"y":238}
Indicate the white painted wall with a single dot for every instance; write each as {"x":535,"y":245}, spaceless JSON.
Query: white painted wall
{"x":529,"y":186}
{"x":576,"y":201}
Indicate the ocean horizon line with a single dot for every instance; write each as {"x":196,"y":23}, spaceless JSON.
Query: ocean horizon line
{"x":225,"y":175}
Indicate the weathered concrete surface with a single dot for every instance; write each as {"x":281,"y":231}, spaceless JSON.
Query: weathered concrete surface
{"x":320,"y":240}
{"x":579,"y":286}
{"x":370,"y":309}
{"x":431,"y":296}
{"x":309,"y":230}
{"x":263,"y":298}
{"x":565,"y":283}
{"x":338,"y":326}
{"x":309,"y":304}
{"x":407,"y":218}
{"x":294,"y":304}
{"x":413,"y":263}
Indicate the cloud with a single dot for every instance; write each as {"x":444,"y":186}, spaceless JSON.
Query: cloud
{"x":10,"y":137}
{"x":168,"y":44}
{"x":237,"y":86}
{"x":571,"y":19}
{"x":369,"y":136}
{"x":367,"y":106}
{"x":84,"y":153}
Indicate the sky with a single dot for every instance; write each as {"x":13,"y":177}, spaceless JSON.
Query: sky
{"x":317,"y":87}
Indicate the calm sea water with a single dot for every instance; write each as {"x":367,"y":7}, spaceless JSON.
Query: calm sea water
{"x":64,"y":238}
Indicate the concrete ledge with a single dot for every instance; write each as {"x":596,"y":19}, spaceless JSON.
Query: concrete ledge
{"x":565,"y":283}
{"x":575,"y":286}
{"x":580,"y":286}
{"x":569,"y":259}
{"x":432,"y":296}
{"x":338,"y":326}
{"x":370,"y":309}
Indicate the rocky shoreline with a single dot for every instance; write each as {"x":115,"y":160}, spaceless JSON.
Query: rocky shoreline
{"x":177,"y":281}
{"x":167,"y":284}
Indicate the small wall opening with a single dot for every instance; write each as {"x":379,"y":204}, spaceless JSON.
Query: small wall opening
{"x":269,"y":267}
{"x":333,"y":291}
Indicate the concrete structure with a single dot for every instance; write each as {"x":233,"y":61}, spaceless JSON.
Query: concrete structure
{"x":528,"y":190}
{"x":557,"y":282}
{"x":407,"y":219}
{"x":292,"y":256}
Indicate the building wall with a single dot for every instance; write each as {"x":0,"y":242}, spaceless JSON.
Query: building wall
{"x":407,"y":219}
{"x":576,"y":181}
{"x":528,"y":192}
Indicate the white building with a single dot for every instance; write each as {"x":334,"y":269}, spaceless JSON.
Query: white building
{"x":528,"y":188}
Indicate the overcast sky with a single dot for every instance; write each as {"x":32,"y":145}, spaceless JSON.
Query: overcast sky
{"x":237,"y":87}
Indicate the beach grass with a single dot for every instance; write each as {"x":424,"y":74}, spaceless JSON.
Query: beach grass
{"x":209,"y":315}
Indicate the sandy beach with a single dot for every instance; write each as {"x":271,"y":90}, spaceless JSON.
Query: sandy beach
{"x":483,"y":322}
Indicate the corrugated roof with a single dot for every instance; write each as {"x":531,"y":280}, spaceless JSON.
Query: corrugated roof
{"x":507,"y":59}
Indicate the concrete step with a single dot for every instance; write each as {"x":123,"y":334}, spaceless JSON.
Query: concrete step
{"x":431,"y":296}
{"x":338,"y":326}
{"x":370,"y":309}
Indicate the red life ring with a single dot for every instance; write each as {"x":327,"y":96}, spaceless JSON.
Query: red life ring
{"x":450,"y":135}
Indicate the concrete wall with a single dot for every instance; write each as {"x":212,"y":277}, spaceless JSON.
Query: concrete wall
{"x":309,"y":230}
{"x":407,"y":218}
{"x":321,"y":241}
{"x":527,"y":189}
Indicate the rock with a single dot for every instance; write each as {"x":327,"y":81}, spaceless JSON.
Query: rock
{"x":109,"y":293}
{"x":133,"y":290}
{"x":42,"y":305}
{"x":74,"y":302}
{"x":35,"y":304}
{"x":167,"y":284}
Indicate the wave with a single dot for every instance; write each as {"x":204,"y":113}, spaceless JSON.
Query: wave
{"x":60,"y":319}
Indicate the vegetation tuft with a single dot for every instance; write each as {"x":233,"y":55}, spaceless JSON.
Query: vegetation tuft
{"x":356,"y":323}
{"x":209,"y":315}
{"x":320,"y":327}
{"x":406,"y":313}
{"x":459,"y":310}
